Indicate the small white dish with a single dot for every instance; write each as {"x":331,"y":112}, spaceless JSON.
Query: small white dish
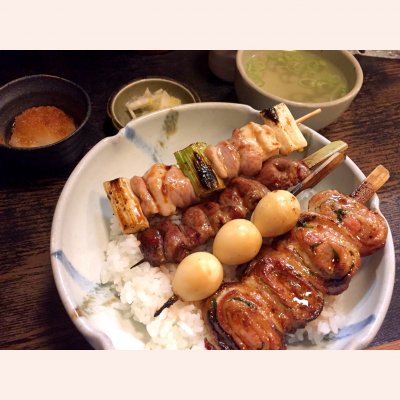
{"x":80,"y":230}
{"x":117,"y":109}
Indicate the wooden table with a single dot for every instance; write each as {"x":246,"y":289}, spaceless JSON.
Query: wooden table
{"x":31,"y":313}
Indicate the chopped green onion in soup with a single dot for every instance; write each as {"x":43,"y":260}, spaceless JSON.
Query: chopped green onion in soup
{"x":297,"y":75}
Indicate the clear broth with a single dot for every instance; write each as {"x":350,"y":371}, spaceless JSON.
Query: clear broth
{"x":297,"y":75}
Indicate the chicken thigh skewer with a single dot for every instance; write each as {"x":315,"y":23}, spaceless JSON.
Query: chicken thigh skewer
{"x":163,"y":188}
{"x":284,"y":287}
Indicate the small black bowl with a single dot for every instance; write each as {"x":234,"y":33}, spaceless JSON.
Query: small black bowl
{"x":43,"y":90}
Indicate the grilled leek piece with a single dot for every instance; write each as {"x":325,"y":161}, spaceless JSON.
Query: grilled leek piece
{"x":285,"y":126}
{"x":125,"y":205}
{"x":197,"y":167}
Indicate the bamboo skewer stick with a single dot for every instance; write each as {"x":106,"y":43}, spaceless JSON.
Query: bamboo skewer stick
{"x":172,"y":300}
{"x":319,"y":173}
{"x":324,"y":153}
{"x":307,"y":116}
{"x":373,"y":182}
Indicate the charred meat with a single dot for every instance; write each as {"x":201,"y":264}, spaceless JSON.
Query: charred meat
{"x":284,"y":287}
{"x":254,"y":314}
{"x":367,"y":226}
{"x":167,"y":241}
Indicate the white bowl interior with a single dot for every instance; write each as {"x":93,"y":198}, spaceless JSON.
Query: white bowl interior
{"x":80,"y":226}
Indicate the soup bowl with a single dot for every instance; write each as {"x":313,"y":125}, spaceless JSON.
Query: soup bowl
{"x":248,"y":92}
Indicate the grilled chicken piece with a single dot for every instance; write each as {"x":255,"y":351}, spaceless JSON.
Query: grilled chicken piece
{"x":199,"y":223}
{"x":176,"y":244}
{"x":239,"y":325}
{"x":282,"y":173}
{"x":179,"y":188}
{"x":255,"y":313}
{"x":147,"y":202}
{"x":327,"y":249}
{"x":154,"y":249}
{"x":367,"y":226}
{"x":224,"y":158}
{"x":303,"y":302}
{"x":169,"y":187}
{"x":154,"y":179}
{"x":162,"y":189}
{"x":285,"y":251}
{"x":255,"y":144}
{"x":196,"y":218}
{"x":289,"y":252}
{"x":250,"y":191}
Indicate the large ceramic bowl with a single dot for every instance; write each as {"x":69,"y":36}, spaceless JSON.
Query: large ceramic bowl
{"x":250,"y":93}
{"x":80,"y":230}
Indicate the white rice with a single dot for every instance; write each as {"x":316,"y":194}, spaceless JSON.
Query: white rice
{"x":144,"y":289}
{"x":328,"y":324}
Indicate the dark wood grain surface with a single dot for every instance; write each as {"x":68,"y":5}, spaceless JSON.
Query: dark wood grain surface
{"x":31,"y":313}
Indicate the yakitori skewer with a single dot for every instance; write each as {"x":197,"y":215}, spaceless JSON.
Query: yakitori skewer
{"x":318,"y":174}
{"x":248,"y":188}
{"x":258,"y":311}
{"x":166,"y":241}
{"x":204,"y":170}
{"x":130,"y":215}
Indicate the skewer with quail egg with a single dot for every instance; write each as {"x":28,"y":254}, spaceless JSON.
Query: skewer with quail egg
{"x":239,"y":241}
